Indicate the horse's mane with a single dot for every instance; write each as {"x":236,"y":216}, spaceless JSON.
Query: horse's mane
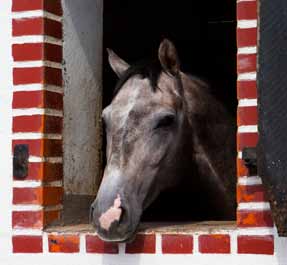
{"x":150,"y":69}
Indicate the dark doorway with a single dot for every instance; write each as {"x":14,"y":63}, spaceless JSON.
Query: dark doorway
{"x":205,"y":37}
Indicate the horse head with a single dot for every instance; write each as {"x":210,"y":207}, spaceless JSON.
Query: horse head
{"x":144,"y":129}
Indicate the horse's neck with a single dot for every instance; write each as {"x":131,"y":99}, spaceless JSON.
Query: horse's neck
{"x":213,"y":140}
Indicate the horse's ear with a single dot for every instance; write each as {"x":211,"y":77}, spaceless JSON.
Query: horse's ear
{"x":168,"y":58}
{"x":118,"y":65}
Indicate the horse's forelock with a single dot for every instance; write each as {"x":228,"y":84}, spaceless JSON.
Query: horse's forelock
{"x":150,"y":69}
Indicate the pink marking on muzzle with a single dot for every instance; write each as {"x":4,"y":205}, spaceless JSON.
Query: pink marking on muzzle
{"x":111,"y":215}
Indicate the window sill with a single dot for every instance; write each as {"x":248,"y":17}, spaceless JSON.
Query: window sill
{"x":209,"y":227}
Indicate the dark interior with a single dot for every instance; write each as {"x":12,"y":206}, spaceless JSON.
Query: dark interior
{"x":205,"y":37}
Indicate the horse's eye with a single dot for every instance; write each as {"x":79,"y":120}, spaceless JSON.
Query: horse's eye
{"x":165,"y":121}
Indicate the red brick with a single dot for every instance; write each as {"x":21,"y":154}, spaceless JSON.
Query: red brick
{"x":42,"y":147}
{"x":246,"y":63}
{"x":242,"y":170}
{"x":246,"y":10}
{"x":53,"y":7}
{"x":28,"y":52}
{"x":246,"y":37}
{"x":255,"y":245}
{"x":26,"y":5}
{"x":95,"y":245}
{"x":38,"y":123}
{"x":254,"y":218}
{"x":177,"y":244}
{"x":53,"y":125}
{"x":53,"y":28}
{"x":246,"y":89}
{"x":27,"y":219}
{"x":246,"y":140}
{"x":214,"y":243}
{"x":247,"y":116}
{"x":37,"y":26}
{"x":64,"y":243}
{"x":253,"y":193}
{"x":45,"y":171}
{"x":33,"y":123}
{"x":53,"y":100}
{"x":28,"y":26}
{"x":53,"y":53}
{"x":47,"y":5}
{"x":37,"y":75}
{"x":28,"y":75}
{"x":51,"y":216}
{"x":35,"y":171}
{"x":52,"y":195}
{"x":52,"y":171}
{"x":27,"y":244}
{"x":40,"y":196}
{"x":37,"y":51}
{"x":28,"y":99}
{"x":53,"y":76}
{"x":27,"y":196}
{"x":142,"y":244}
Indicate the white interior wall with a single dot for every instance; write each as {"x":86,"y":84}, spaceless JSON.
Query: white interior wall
{"x":83,"y":95}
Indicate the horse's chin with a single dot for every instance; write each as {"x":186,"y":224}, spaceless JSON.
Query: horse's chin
{"x":126,"y":239}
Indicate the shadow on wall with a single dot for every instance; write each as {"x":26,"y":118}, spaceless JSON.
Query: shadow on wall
{"x":83,"y":95}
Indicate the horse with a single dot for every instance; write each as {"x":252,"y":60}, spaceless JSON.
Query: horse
{"x":163,"y":127}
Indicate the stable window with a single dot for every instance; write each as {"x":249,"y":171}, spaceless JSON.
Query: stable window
{"x":205,"y":37}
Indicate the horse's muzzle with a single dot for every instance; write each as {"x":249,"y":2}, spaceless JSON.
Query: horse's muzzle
{"x":113,"y":223}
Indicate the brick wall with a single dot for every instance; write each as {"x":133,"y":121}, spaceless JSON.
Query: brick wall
{"x":253,"y":208}
{"x":196,"y":243}
{"x":37,"y":116}
{"x":37,"y":122}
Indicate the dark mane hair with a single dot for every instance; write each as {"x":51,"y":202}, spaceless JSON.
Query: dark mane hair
{"x":150,"y":69}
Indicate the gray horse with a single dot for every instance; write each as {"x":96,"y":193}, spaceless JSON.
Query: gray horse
{"x":163,"y":126}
